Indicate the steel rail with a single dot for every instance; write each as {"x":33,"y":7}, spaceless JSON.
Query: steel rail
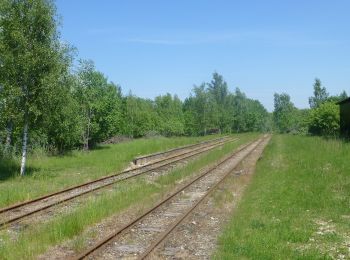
{"x":177,"y":149}
{"x":104,"y":185}
{"x":13,"y":206}
{"x":120,"y":231}
{"x":180,"y":219}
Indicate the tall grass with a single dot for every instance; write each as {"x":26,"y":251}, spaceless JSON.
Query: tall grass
{"x":37,"y":239}
{"x":297,"y":206}
{"x":51,"y":173}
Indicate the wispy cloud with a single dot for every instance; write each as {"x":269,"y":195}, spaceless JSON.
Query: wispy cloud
{"x":188,"y":37}
{"x":156,"y":41}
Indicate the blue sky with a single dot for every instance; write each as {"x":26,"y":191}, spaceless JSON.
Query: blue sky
{"x":153,"y":47}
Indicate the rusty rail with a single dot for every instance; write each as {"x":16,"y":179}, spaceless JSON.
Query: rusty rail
{"x":147,"y":157}
{"x":118,"y":232}
{"x":178,"y":221}
{"x":104,"y":185}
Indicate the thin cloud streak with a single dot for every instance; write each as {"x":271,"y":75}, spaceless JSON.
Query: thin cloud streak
{"x":157,"y":42}
{"x":188,"y":37}
{"x":271,"y":38}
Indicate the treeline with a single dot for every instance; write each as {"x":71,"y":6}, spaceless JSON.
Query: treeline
{"x":88,"y":109}
{"x":322,"y":118}
{"x":47,"y":102}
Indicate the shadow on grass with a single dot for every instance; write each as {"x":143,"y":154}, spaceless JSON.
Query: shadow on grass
{"x":345,"y":139}
{"x":70,"y":153}
{"x":340,"y":138}
{"x":99,"y":147}
{"x":9,"y":168}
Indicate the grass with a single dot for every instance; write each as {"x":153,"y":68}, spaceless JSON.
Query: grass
{"x":51,"y":173}
{"x":37,"y":239}
{"x":297,"y":206}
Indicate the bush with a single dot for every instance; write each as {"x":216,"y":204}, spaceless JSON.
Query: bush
{"x":324,"y":120}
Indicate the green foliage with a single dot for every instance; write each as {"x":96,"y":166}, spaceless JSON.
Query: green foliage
{"x":139,"y":116}
{"x":321,"y":119}
{"x":213,"y":107}
{"x":99,"y":104}
{"x":324,"y":120}
{"x":66,"y":108}
{"x":170,"y":114}
{"x":284,"y":113}
{"x":302,"y":121}
{"x":33,"y":62}
{"x":138,"y":192}
{"x":47,"y":174}
{"x":343,"y":95}
{"x":249,"y":114}
{"x":31,"y":55}
{"x":320,"y":94}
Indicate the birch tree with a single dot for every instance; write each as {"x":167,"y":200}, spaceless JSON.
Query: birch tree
{"x":99,"y":102}
{"x":320,"y":95}
{"x":30,"y":58}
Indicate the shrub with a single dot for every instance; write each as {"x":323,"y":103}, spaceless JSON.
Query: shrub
{"x":324,"y":120}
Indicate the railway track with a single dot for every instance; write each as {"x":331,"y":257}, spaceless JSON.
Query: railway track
{"x":17,"y":212}
{"x":138,"y":238}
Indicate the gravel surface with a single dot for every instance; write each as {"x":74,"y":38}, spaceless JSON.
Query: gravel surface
{"x":196,"y":237}
{"x":138,"y":237}
{"x":55,"y":208}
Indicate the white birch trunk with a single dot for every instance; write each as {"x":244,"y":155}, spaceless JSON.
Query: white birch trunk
{"x":8,"y":137}
{"x":24,"y":145}
{"x":87,"y":134}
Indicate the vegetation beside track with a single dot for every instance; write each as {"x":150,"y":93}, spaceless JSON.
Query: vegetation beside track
{"x":297,"y":206}
{"x":53,"y":173}
{"x":37,"y":239}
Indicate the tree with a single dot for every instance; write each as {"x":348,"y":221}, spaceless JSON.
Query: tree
{"x":324,"y":120}
{"x":139,"y":116}
{"x":171,"y":118}
{"x":320,"y":94}
{"x":284,"y":113}
{"x":201,"y":109}
{"x":343,"y":95}
{"x":99,"y":103}
{"x":190,"y":124}
{"x":31,"y":56}
{"x":63,"y":124}
{"x":7,"y":116}
{"x":218,"y":92}
{"x":240,"y":108}
{"x":256,"y":116}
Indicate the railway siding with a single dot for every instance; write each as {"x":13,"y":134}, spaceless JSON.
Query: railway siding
{"x":17,"y":212}
{"x":136,"y":237}
{"x":145,"y":159}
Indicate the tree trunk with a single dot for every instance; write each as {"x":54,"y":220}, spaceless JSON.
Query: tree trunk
{"x":9,"y":129}
{"x":86,"y":141}
{"x":24,"y":144}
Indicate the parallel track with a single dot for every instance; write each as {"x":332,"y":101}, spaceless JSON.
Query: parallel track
{"x":208,"y":178}
{"x":19,"y":211}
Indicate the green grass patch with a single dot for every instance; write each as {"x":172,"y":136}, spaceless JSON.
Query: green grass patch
{"x":51,"y":173}
{"x":297,"y":206}
{"x":37,"y":239}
